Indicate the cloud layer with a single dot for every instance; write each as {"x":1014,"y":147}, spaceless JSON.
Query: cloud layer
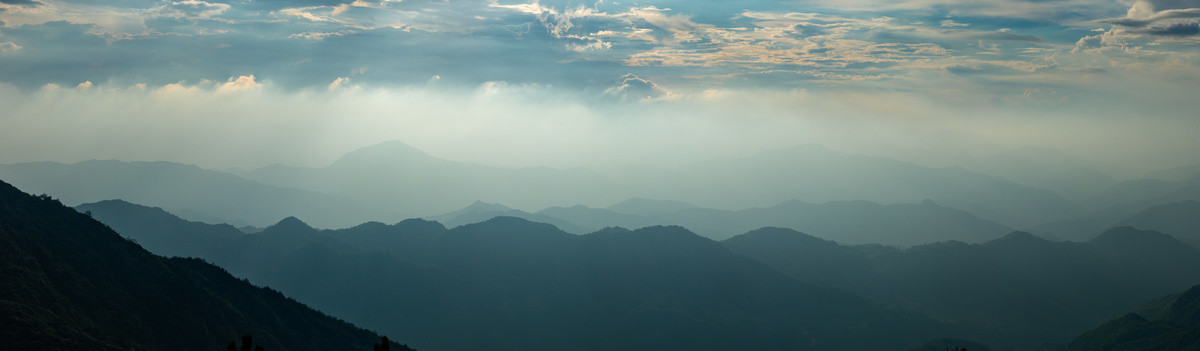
{"x":967,"y":68}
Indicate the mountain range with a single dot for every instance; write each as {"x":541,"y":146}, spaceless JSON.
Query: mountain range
{"x":1014,"y":291}
{"x":1027,"y":287}
{"x":391,"y":180}
{"x":898,"y":224}
{"x":515,"y":284}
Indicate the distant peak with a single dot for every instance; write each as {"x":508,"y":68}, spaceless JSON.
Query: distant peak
{"x":1128,"y":233}
{"x":291,"y":224}
{"x":510,"y":224}
{"x":388,"y":151}
{"x":486,"y":206}
{"x":421,"y":223}
{"x":776,"y":235}
{"x":1018,"y":238}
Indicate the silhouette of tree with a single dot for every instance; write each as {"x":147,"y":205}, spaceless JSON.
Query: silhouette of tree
{"x":247,"y":343}
{"x":385,"y":345}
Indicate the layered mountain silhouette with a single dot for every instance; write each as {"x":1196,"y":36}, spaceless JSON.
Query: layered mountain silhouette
{"x":482,"y":211}
{"x":68,"y":282}
{"x":1030,"y":289}
{"x":1168,"y":323}
{"x":199,"y":194}
{"x":515,"y":284}
{"x":392,"y":180}
{"x":1117,"y":204}
{"x":1016,"y":291}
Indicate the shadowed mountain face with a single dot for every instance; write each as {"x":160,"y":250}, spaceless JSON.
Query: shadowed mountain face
{"x":67,"y":282}
{"x":514,"y":284}
{"x":204,"y":195}
{"x":1030,"y":289}
{"x":1168,"y":323}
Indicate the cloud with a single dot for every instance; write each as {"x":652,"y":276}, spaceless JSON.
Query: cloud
{"x":9,"y":46}
{"x":631,"y":87}
{"x":195,"y":8}
{"x":1175,"y":29}
{"x":239,"y":84}
{"x":84,"y":86}
{"x":951,"y":24}
{"x":1174,"y":19}
{"x":339,"y":82}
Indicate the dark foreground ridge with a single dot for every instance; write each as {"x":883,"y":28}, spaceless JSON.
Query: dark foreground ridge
{"x":68,"y":282}
{"x":1168,"y":323}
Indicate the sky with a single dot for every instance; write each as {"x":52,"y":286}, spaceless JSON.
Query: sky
{"x":575,"y":84}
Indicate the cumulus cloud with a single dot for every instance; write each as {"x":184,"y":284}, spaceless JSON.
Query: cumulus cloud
{"x":631,"y":87}
{"x":239,"y":83}
{"x":84,"y":86}
{"x":1161,"y":18}
{"x":195,"y":8}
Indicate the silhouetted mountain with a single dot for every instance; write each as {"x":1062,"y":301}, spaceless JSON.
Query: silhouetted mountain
{"x":1028,"y":289}
{"x":1168,"y":323}
{"x":480,"y":211}
{"x":1024,"y":290}
{"x":800,"y":255}
{"x":900,"y":224}
{"x":1179,"y":219}
{"x":1124,"y":200}
{"x":508,"y":283}
{"x":168,"y":235}
{"x":183,"y":189}
{"x":592,"y":219}
{"x":68,"y":282}
{"x":852,"y":222}
{"x":408,"y":182}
